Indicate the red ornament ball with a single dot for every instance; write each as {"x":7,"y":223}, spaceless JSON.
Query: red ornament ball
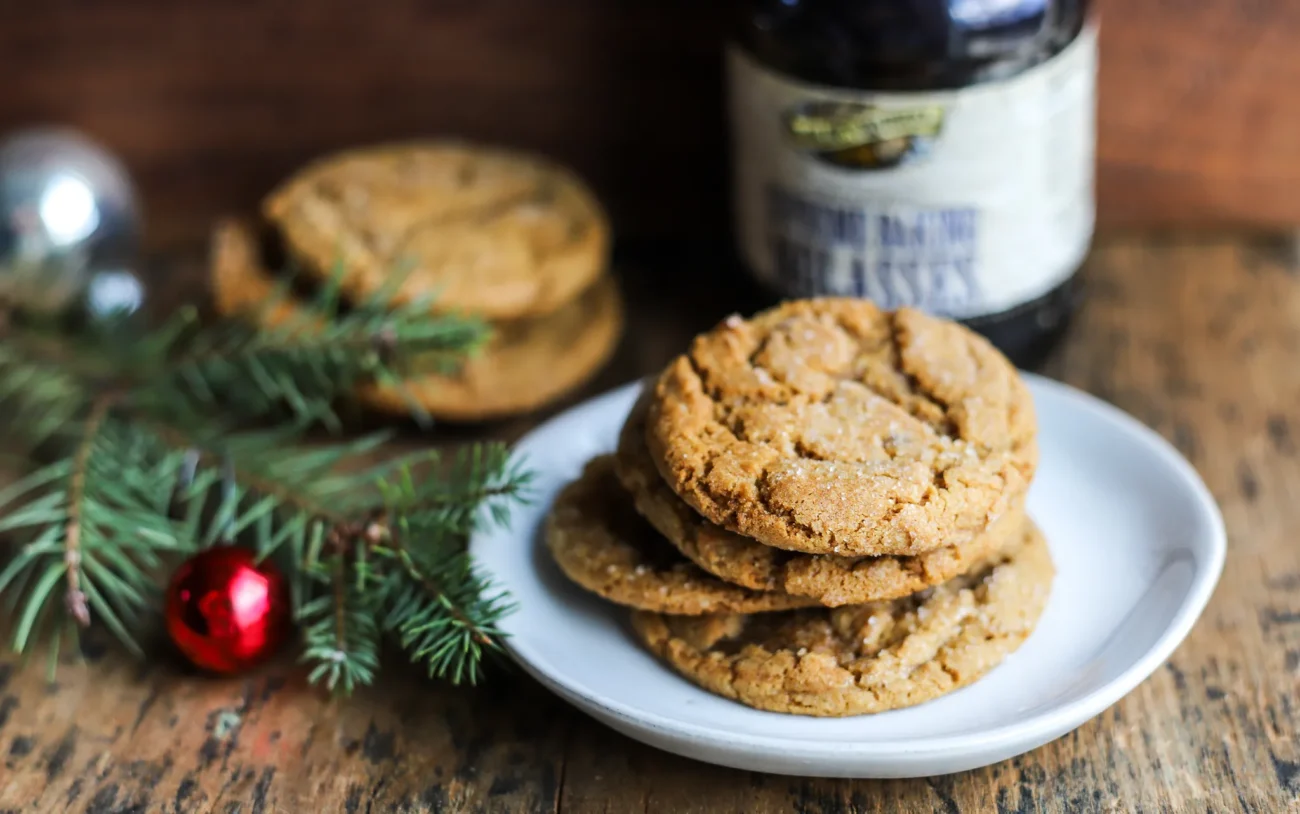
{"x":225,"y":610}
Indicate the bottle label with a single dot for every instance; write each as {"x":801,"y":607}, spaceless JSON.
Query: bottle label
{"x":963,"y":203}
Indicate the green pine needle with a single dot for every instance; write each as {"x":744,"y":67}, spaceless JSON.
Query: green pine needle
{"x":159,"y":443}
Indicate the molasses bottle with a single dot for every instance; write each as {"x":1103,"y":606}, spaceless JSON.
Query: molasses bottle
{"x":931,"y":153}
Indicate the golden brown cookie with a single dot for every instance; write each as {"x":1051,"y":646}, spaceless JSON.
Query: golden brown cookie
{"x":830,"y":579}
{"x":527,"y":364}
{"x":831,"y":427}
{"x":599,"y":542}
{"x":500,"y":234}
{"x":865,"y":658}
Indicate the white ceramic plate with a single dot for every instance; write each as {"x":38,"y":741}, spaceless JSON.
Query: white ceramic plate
{"x":1138,"y":544}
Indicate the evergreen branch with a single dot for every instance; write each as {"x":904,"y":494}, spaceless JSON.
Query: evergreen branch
{"x":451,"y":499}
{"x":348,"y":523}
{"x":340,"y":587}
{"x":149,"y":459}
{"x":340,"y":635}
{"x":39,"y":397}
{"x":97,"y":520}
{"x":445,"y":616}
{"x":273,"y":464}
{"x":438,"y":593}
{"x":76,"y":598}
{"x":443,"y":612}
{"x":305,"y":363}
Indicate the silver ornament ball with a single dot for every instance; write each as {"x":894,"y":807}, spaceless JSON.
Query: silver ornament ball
{"x":69,"y":227}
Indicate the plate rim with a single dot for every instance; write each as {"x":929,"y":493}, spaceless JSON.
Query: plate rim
{"x":1042,"y":726}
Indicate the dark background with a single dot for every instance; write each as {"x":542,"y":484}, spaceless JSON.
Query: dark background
{"x":211,"y":101}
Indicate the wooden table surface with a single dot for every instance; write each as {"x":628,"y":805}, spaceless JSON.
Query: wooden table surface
{"x":1197,"y":337}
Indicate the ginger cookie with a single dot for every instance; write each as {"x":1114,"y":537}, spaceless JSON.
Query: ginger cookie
{"x":500,"y":234}
{"x":527,"y":363}
{"x":602,"y":544}
{"x":831,"y":427}
{"x":864,"y":658}
{"x":830,"y":579}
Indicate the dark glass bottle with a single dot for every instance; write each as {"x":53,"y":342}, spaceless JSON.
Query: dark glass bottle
{"x":933,"y":153}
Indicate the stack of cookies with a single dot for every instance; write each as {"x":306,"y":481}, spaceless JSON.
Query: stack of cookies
{"x":820,"y":510}
{"x":509,"y":237}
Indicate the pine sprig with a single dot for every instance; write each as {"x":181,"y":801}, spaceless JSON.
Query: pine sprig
{"x":305,"y":361}
{"x":149,"y":456}
{"x":97,"y":521}
{"x":36,"y":394}
{"x":444,"y":614}
{"x":340,"y":631}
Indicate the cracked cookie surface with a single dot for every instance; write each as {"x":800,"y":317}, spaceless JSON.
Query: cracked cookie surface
{"x":866,"y":658}
{"x":526,"y":364}
{"x":830,"y":579}
{"x":602,"y":544}
{"x":831,"y":427}
{"x":499,"y":234}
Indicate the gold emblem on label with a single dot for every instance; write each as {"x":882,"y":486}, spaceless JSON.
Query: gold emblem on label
{"x":859,"y":136}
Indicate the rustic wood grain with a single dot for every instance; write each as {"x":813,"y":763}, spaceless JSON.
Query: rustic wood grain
{"x":211,"y":102}
{"x":1198,"y":337}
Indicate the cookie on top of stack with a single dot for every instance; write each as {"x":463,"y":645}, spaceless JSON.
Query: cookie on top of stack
{"x":509,"y":237}
{"x":820,"y":510}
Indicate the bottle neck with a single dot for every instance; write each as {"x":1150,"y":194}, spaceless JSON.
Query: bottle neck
{"x":887,"y":45}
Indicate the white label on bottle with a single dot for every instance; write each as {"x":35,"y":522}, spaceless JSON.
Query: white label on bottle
{"x":963,"y":203}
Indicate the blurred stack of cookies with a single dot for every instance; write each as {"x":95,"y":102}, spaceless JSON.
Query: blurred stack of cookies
{"x":509,"y":237}
{"x":820,"y":510}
